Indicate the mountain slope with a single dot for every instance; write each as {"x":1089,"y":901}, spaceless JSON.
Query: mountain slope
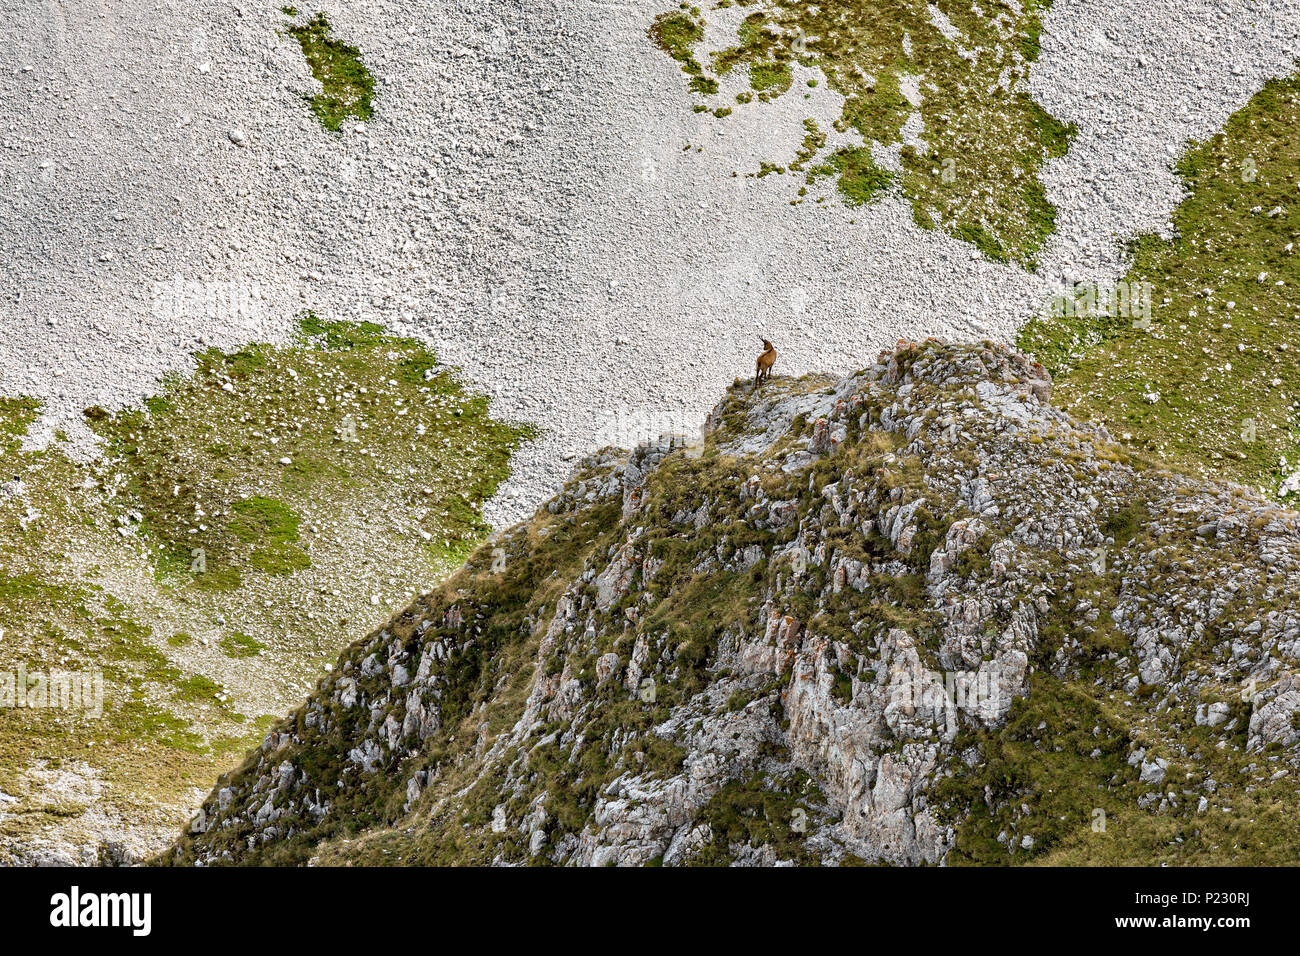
{"x":914,"y":615}
{"x":299,"y":494}
{"x":1201,"y":375}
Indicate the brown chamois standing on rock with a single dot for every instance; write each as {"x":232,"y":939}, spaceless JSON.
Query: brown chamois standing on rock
{"x":763,"y":367}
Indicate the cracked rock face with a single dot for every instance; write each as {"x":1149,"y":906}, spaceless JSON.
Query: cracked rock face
{"x":916,"y":615}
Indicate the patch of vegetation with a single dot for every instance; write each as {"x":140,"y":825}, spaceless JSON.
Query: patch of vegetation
{"x":236,"y":644}
{"x":859,"y":179}
{"x":16,"y":416}
{"x":1061,"y":772}
{"x":185,"y":562}
{"x":1046,"y":758}
{"x":347,"y":87}
{"x":770,"y":77}
{"x":272,"y":528}
{"x":677,"y":33}
{"x":961,"y":69}
{"x":1208,"y":381}
{"x":761,"y":812}
{"x":140,"y":720}
{"x":234,"y":463}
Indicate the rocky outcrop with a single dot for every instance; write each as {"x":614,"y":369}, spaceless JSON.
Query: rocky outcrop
{"x":885,"y":618}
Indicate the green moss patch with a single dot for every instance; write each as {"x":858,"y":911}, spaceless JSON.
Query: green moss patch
{"x":677,"y":33}
{"x":858,"y":179}
{"x":240,"y":645}
{"x":346,"y":85}
{"x":891,"y":60}
{"x":235,"y":464}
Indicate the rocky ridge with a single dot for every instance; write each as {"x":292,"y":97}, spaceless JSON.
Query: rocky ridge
{"x":914,"y":615}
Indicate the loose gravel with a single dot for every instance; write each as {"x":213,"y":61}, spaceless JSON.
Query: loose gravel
{"x":533,"y":198}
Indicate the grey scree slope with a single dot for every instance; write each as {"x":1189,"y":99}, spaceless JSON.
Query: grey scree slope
{"x":522,"y":202}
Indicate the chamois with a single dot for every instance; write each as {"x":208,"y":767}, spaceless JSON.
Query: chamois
{"x":763,"y":367}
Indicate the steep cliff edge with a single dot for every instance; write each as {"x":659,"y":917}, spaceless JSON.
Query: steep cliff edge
{"x":915,"y":615}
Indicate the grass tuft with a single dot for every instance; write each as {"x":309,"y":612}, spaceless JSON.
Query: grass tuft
{"x":346,"y":85}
